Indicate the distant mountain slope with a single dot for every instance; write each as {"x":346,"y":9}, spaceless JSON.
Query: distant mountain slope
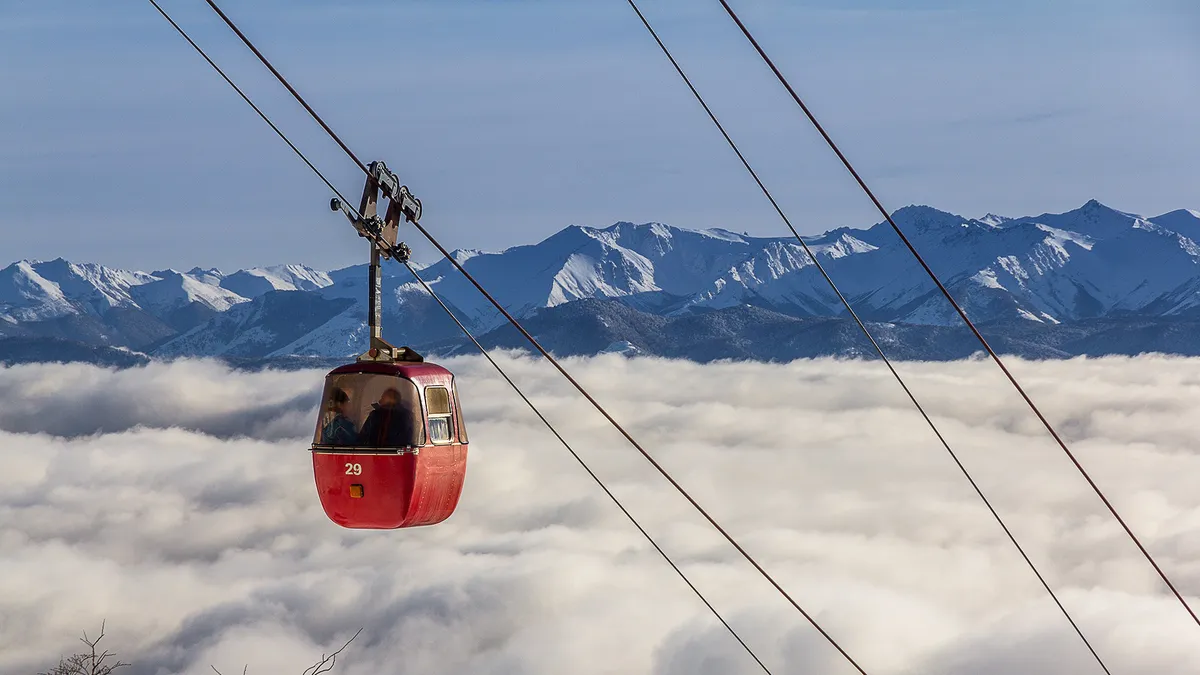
{"x":1091,"y":262}
{"x":97,"y":305}
{"x":17,"y":350}
{"x":1101,"y":275}
{"x":755,"y":333}
{"x":257,"y":328}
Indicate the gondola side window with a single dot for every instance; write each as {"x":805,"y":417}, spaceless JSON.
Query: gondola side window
{"x":369,"y":410}
{"x":437,"y":403}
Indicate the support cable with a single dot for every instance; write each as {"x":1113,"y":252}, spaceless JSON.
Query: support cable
{"x":637,"y":446}
{"x":961,"y":312}
{"x":691,"y":500}
{"x":246,"y":98}
{"x":586,"y":468}
{"x":874,"y":343}
{"x":498,"y":368}
{"x":288,"y":85}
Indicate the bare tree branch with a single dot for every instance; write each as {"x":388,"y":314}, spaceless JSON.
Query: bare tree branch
{"x":93,"y":663}
{"x":89,"y":662}
{"x":327,"y":663}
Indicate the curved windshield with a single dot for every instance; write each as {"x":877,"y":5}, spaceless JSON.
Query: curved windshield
{"x":370,"y":410}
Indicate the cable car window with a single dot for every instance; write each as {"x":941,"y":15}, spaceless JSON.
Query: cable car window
{"x":369,"y":410}
{"x":437,"y":403}
{"x":439,"y":429}
{"x":437,"y":399}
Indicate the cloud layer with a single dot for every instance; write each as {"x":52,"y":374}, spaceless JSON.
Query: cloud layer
{"x":177,"y":502}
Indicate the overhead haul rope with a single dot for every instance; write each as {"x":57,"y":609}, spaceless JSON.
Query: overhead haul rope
{"x":248,"y":101}
{"x":958,"y":308}
{"x":295,"y":94}
{"x":653,"y":462}
{"x":866,"y":331}
{"x":516,"y":324}
{"x":670,"y":561}
{"x":588,"y":469}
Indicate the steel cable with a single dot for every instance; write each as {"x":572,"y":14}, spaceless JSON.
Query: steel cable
{"x":498,"y":368}
{"x":662,"y":471}
{"x":961,"y":312}
{"x":586,"y":468}
{"x":874,"y":343}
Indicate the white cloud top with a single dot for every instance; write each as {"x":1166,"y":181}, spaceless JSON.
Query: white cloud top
{"x":177,"y":502}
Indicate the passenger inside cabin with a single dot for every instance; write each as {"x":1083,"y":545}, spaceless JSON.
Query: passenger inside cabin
{"x":389,"y":425}
{"x":339,"y":430}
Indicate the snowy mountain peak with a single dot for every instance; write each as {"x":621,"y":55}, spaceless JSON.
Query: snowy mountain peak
{"x":927,"y":219}
{"x":59,"y":289}
{"x":462,"y":255}
{"x":1093,"y":219}
{"x":651,"y":228}
{"x":1091,"y":262}
{"x":842,"y":246}
{"x":253,"y":282}
{"x":1095,"y":210}
{"x":721,"y":233}
{"x":176,"y":290}
{"x":212,"y":276}
{"x":659,"y":230}
{"x":27,"y":296}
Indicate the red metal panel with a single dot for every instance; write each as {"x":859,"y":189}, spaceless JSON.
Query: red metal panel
{"x":387,"y":482}
{"x":398,"y":490}
{"x":439,"y":482}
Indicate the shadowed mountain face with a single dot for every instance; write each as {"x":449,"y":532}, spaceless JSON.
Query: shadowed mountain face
{"x":663,"y":290}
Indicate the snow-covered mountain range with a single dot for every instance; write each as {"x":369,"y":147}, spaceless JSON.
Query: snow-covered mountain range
{"x":1091,"y":266}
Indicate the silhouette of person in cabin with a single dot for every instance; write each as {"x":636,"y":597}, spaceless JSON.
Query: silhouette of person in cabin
{"x":389,"y":425}
{"x":340,"y":429}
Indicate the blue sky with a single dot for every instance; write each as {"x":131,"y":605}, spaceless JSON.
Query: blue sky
{"x":514,"y":118}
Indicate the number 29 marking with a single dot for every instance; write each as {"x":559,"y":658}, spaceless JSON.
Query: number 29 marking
{"x":353,"y":469}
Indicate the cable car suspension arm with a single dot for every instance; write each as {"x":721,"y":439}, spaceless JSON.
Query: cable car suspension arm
{"x":373,"y":231}
{"x":382,"y":234}
{"x":371,"y":234}
{"x":375,"y":234}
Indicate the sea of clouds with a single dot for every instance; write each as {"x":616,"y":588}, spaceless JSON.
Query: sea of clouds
{"x":176,"y":502}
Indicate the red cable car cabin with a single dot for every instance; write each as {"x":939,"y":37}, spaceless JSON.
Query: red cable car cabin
{"x":391,"y":447}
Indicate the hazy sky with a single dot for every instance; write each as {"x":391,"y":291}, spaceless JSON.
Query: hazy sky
{"x":177,"y":501}
{"x":514,"y":118}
